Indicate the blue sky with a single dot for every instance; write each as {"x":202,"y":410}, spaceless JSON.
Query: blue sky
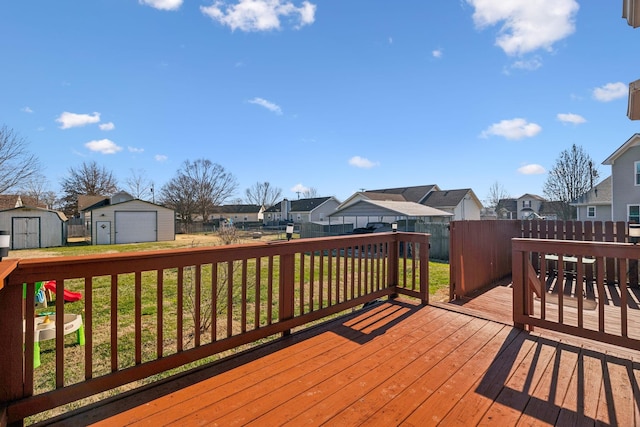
{"x":335,"y":95}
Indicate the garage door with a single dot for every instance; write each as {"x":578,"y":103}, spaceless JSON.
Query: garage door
{"x":134,"y":227}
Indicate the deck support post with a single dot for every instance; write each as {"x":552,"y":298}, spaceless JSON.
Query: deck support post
{"x":519,"y":279}
{"x":286,"y":289}
{"x":11,"y":367}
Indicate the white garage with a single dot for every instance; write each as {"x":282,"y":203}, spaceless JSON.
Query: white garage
{"x":131,"y":221}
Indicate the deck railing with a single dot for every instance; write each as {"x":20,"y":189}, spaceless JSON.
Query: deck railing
{"x":148,"y":312}
{"x":587,"y":289}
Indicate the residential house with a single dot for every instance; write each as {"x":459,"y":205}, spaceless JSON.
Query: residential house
{"x":595,"y":204}
{"x":529,"y":206}
{"x":463,"y":203}
{"x":9,"y":201}
{"x":302,"y":210}
{"x":460,"y":204}
{"x":507,"y":209}
{"x":415,"y":194}
{"x":625,"y":181}
{"x":237,"y":214}
{"x":406,"y":214}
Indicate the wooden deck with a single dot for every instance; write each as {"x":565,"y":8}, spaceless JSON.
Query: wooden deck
{"x":396,"y":363}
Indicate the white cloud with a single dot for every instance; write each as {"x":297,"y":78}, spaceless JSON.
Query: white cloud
{"x":576,"y":119}
{"x":532,"y":169}
{"x":71,"y":120}
{"x":437,"y":53}
{"x":260,"y":15}
{"x":512,"y":129}
{"x":529,"y":64}
{"x":610,"y":91}
{"x":135,"y":150}
{"x":107,"y":126}
{"x":299,"y":188}
{"x":526,"y":25}
{"x":162,"y":4}
{"x":104,"y":146}
{"x":26,"y":110}
{"x":361,"y":162}
{"x":160,"y":158}
{"x":266,"y":104}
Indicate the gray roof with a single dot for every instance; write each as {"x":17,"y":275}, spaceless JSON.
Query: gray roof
{"x":409,"y":209}
{"x":300,"y":205}
{"x":445,"y":199}
{"x":409,"y":194}
{"x":600,"y":194}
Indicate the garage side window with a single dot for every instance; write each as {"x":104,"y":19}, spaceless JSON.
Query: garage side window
{"x":591,"y":211}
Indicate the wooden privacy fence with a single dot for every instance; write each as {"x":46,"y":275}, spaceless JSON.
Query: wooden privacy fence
{"x":480,"y":254}
{"x":570,"y":292}
{"x":481,"y":250}
{"x":148,"y":312}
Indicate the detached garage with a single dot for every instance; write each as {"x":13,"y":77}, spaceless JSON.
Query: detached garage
{"x":32,"y":228}
{"x":131,"y":221}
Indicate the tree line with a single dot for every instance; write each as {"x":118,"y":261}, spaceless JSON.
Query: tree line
{"x":195,"y":189}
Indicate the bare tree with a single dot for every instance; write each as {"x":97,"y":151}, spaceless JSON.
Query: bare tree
{"x":140,"y":186}
{"x":496,"y":193}
{"x":17,"y":164}
{"x":90,"y":180}
{"x":263,"y":194}
{"x":572,"y":175}
{"x":197,"y":187}
{"x":310,"y":193}
{"x":37,"y":187}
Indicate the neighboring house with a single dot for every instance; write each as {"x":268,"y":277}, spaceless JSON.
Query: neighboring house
{"x":625,"y":181}
{"x":460,"y":204}
{"x":237,"y":214}
{"x":298,"y":211}
{"x":529,"y":206}
{"x":362,"y":212}
{"x":415,"y":194}
{"x":128,"y":220}
{"x":9,"y":201}
{"x":595,"y":204}
{"x":507,"y":209}
{"x":463,"y":203}
{"x":34,"y":227}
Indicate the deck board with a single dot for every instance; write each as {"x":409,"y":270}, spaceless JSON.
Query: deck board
{"x":396,"y":363}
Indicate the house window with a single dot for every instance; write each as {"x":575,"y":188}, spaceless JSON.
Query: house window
{"x":634,"y":214}
{"x":591,"y":211}
{"x":636,"y":167}
{"x":526,"y":203}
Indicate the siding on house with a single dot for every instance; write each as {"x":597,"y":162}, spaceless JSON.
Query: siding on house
{"x":625,"y":192}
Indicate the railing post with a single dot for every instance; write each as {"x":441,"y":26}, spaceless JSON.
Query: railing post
{"x":518,"y":283}
{"x":11,"y":336}
{"x":392,"y":264}
{"x":286,"y":288}
{"x":424,"y":270}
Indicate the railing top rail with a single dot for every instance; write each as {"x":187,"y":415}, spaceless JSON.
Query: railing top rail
{"x":35,"y":269}
{"x":575,"y":247}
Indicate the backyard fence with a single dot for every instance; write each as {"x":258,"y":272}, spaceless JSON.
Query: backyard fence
{"x":481,"y":250}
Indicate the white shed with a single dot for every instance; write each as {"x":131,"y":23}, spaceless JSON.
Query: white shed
{"x":131,"y":221}
{"x":31,"y":227}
